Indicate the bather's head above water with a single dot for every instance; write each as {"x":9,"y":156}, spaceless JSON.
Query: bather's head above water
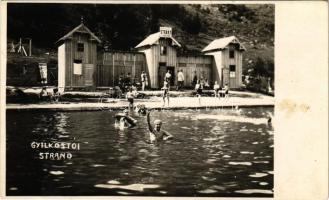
{"x":157,"y":124}
{"x":125,"y":112}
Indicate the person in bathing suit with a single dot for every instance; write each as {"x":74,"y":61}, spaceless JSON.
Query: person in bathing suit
{"x":156,"y":134}
{"x":123,"y":120}
{"x":165,"y":94}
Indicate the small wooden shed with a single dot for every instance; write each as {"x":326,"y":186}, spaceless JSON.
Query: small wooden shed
{"x":227,"y":64}
{"x":77,"y":59}
{"x":161,"y":55}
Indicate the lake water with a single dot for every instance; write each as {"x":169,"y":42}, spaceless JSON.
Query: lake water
{"x":213,"y":153}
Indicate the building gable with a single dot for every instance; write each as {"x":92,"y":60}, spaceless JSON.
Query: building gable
{"x":165,"y":32}
{"x":80,"y":29}
{"x":223,"y":43}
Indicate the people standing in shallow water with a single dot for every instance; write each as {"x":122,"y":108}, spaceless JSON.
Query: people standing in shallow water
{"x":168,"y":78}
{"x":130,"y":98}
{"x":155,"y":133}
{"x":198,"y":91}
{"x":165,"y":94}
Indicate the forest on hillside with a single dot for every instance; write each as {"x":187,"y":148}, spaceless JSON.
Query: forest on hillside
{"x":123,"y":26}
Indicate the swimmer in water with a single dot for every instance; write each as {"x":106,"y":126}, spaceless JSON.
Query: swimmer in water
{"x":156,"y":134}
{"x":141,"y":109}
{"x":123,"y":120}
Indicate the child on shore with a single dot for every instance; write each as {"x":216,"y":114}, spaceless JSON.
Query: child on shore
{"x":216,"y":89}
{"x":44,"y":96}
{"x":226,"y":89}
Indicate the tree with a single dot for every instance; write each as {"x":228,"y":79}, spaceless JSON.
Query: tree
{"x":192,"y":23}
{"x":259,"y":68}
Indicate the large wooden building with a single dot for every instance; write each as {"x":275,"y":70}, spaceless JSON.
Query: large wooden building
{"x":79,"y":66}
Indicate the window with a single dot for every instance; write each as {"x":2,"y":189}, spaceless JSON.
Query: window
{"x":182,"y":64}
{"x":162,"y":64}
{"x":163,"y":50}
{"x":232,"y":71}
{"x":231,"y":53}
{"x":80,"y":47}
{"x":77,"y":61}
{"x":77,"y":67}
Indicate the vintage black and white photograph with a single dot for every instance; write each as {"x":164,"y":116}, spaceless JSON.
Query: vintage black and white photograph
{"x":140,"y":100}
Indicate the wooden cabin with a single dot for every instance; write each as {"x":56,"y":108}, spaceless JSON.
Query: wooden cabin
{"x":227,"y":64}
{"x":77,"y":59}
{"x":161,"y":55}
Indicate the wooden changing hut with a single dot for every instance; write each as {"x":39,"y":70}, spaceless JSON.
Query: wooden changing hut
{"x":77,"y":59}
{"x":227,"y":63}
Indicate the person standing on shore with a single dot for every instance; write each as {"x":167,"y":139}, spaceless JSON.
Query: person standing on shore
{"x":43,"y":95}
{"x":180,"y":79}
{"x":121,"y":82}
{"x":195,"y":79}
{"x":202,"y":83}
{"x":128,"y":80}
{"x":226,"y":89}
{"x":216,"y":89}
{"x":143,"y":80}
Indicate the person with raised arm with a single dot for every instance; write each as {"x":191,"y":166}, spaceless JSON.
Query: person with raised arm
{"x":155,"y":133}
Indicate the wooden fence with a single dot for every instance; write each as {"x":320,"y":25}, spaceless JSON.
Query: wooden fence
{"x":115,"y":64}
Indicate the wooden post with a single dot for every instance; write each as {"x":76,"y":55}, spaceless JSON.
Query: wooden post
{"x":30,"y":44}
{"x":113,"y":68}
{"x":134,"y":67}
{"x":124,"y":64}
{"x":20,"y":46}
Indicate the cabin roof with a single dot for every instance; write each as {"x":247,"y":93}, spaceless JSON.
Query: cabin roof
{"x":153,"y":39}
{"x":223,"y":43}
{"x":82,"y":29}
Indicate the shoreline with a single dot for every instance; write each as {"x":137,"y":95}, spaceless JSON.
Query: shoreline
{"x":176,"y":103}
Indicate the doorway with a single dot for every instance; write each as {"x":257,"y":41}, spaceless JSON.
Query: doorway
{"x":172,"y":72}
{"x":88,"y":74}
{"x":162,"y":73}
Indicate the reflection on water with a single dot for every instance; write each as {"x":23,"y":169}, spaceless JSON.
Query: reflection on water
{"x":214,"y":153}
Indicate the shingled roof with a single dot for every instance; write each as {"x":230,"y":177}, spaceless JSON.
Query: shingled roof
{"x":153,"y":39}
{"x":222,"y":43}
{"x":81,"y":29}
